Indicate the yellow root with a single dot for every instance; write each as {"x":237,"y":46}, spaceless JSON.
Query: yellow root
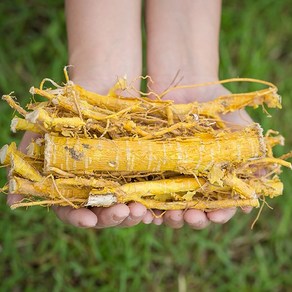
{"x":95,"y":200}
{"x":18,"y":124}
{"x":193,"y":155}
{"x":23,"y":168}
{"x":46,"y":203}
{"x":54,"y":123}
{"x":35,"y":150}
{"x":99,"y":150}
{"x":6,"y":151}
{"x":46,"y":189}
{"x":9,"y":99}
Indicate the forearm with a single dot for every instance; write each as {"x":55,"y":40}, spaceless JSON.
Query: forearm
{"x":104,"y":41}
{"x":183,"y":36}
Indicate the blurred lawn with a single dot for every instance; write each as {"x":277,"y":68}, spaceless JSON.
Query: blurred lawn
{"x":39,"y":253}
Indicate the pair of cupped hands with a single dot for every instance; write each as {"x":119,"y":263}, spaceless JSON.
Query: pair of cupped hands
{"x":122,"y":215}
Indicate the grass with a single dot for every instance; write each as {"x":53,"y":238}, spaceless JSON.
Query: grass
{"x":39,"y":253}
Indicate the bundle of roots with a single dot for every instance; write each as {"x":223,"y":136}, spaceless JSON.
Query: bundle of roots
{"x":96,"y":150}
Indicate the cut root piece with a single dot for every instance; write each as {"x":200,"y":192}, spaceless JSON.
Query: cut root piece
{"x":196,"y":154}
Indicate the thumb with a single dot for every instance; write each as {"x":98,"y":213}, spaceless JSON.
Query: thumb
{"x":13,"y":199}
{"x":238,"y":118}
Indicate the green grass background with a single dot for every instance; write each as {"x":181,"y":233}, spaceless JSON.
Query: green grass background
{"x":39,"y":253}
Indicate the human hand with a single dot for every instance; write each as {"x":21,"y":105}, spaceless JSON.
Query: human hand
{"x":101,"y":52}
{"x":183,"y":48}
{"x":98,"y":57}
{"x":119,"y":215}
{"x":198,"y":219}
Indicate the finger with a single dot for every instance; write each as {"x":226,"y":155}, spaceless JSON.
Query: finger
{"x":174,"y":219}
{"x":13,"y":199}
{"x":246,"y":210}
{"x":221,"y":216}
{"x":148,"y":218}
{"x":111,"y":216}
{"x":77,"y":217}
{"x":196,"y":219}
{"x":157,"y":217}
{"x":240,"y":117}
{"x":137,"y":212}
{"x":26,"y":139}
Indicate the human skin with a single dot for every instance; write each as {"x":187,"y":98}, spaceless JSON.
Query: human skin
{"x":183,"y":47}
{"x":104,"y":42}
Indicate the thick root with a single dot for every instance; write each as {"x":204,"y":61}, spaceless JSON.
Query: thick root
{"x":99,"y":150}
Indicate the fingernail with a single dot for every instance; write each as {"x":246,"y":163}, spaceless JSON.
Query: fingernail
{"x":157,"y":222}
{"x":118,"y":218}
{"x":136,"y":214}
{"x":174,"y":218}
{"x":85,"y":225}
{"x":133,"y":217}
{"x":147,"y":220}
{"x":199,"y":223}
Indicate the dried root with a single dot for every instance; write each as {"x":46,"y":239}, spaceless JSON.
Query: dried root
{"x":97,"y":150}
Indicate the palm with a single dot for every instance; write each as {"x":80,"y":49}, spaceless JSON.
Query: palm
{"x":196,"y":218}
